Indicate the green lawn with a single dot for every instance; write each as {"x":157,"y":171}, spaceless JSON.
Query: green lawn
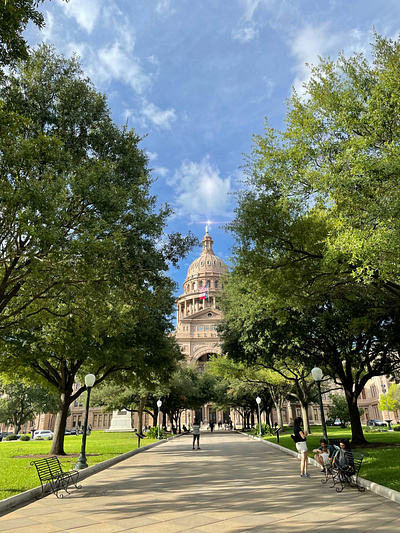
{"x":382,"y":464}
{"x":17,"y":475}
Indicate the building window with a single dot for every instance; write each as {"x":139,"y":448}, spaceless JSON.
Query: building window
{"x":200,"y":328}
{"x":216,"y":284}
{"x":206,"y":328}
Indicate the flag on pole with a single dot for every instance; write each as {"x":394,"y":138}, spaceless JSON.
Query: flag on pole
{"x":203,"y":292}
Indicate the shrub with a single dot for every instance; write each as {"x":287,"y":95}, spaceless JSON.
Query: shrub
{"x":396,"y":428}
{"x":152,"y":433}
{"x":11,"y":437}
{"x":25,"y":437}
{"x":265,"y":430}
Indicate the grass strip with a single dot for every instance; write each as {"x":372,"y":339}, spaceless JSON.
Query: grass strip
{"x":382,"y":464}
{"x":17,"y":475}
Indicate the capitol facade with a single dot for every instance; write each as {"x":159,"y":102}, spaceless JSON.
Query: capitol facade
{"x":198,"y":315}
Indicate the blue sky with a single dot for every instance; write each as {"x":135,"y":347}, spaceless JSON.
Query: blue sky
{"x":198,"y":77}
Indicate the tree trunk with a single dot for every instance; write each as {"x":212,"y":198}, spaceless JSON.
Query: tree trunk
{"x":278,"y":408}
{"x":357,"y":434}
{"x":57,"y":446}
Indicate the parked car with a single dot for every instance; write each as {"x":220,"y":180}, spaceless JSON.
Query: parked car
{"x":375,"y":422}
{"x":43,"y":434}
{"x":331,"y":422}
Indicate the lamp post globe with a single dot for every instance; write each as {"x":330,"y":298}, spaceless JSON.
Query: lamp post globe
{"x":159,"y":404}
{"x":258,"y":400}
{"x":82,"y":462}
{"x":317,"y":374}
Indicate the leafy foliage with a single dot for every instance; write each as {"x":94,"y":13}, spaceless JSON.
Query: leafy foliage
{"x":392,"y":399}
{"x":83,"y":255}
{"x":317,"y":238}
{"x":19,"y":403}
{"x":339,"y":409}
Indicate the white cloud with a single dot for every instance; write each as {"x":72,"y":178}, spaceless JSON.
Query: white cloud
{"x":163,"y":8}
{"x":312,"y":42}
{"x":245,"y":34}
{"x":161,"y":171}
{"x":153,"y":156}
{"x":247,"y":29}
{"x":85,"y":13}
{"x":200,"y":190}
{"x":115,"y":63}
{"x":160,"y":118}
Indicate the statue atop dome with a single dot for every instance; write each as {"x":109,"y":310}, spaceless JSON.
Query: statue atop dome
{"x":207,"y":243}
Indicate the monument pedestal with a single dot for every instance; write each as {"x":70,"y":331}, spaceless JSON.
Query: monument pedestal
{"x":121,"y":421}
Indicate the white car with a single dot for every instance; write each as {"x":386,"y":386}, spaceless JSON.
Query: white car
{"x":43,"y":434}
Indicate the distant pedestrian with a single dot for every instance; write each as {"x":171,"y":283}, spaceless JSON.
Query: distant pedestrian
{"x":301,"y":446}
{"x":212,"y":426}
{"x":196,"y":433}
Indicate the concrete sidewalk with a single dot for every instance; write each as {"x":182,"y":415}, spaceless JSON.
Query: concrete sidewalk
{"x":232,"y":484}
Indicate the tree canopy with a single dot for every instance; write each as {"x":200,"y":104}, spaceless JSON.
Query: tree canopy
{"x":84,"y":256}
{"x":21,"y":402}
{"x":317,"y":236}
{"x":318,"y":215}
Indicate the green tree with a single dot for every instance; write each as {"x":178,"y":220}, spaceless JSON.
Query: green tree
{"x":241,"y":384}
{"x":14,"y":17}
{"x":347,"y":340}
{"x":84,"y":256}
{"x":20,"y":403}
{"x":316,"y":231}
{"x":317,"y":219}
{"x":113,"y":337}
{"x":74,"y":193}
{"x":392,"y":399}
{"x":339,"y":409}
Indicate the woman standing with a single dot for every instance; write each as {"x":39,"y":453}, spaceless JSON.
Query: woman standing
{"x":301,"y":446}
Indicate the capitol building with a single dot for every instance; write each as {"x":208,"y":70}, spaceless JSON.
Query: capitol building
{"x":198,"y":315}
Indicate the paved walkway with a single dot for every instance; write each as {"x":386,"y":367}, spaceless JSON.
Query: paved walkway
{"x":232,"y":484}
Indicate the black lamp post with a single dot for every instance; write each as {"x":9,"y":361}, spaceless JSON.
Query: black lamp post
{"x":82,"y":462}
{"x":159,"y":404}
{"x":387,"y":406}
{"x":317,"y":375}
{"x":258,"y":400}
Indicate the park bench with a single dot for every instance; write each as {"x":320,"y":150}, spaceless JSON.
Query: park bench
{"x":52,"y":475}
{"x":347,"y":474}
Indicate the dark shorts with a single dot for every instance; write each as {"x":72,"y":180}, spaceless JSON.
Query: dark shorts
{"x":196,"y":437}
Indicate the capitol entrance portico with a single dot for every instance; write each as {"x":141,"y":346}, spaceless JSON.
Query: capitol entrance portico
{"x":198,"y":316}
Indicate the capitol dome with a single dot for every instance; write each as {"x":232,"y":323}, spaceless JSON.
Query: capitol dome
{"x":208,"y":264}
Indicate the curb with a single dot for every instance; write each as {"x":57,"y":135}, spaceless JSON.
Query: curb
{"x":13,"y":502}
{"x":387,"y":493}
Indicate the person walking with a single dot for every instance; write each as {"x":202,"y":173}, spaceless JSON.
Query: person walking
{"x":196,"y":434}
{"x":301,"y":446}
